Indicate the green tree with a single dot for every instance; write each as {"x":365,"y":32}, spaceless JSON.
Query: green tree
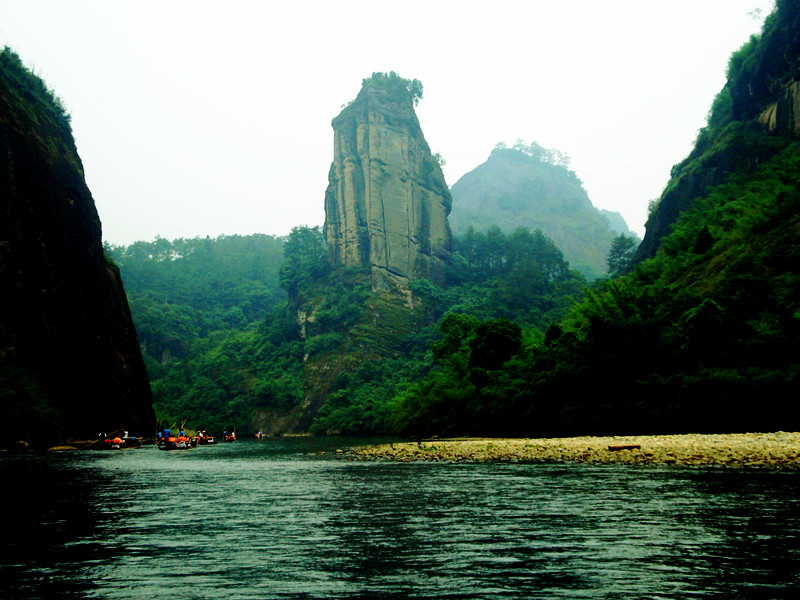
{"x":415,"y":90}
{"x":494,"y":342}
{"x":305,"y":259}
{"x":396,"y":86}
{"x":620,"y":254}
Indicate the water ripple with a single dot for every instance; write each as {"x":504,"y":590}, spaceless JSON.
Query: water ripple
{"x":274,"y":520}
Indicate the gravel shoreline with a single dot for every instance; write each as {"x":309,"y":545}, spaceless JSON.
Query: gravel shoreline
{"x":776,"y":450}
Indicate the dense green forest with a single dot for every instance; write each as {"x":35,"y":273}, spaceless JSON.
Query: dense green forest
{"x":521,"y":277}
{"x":190,"y":300}
{"x":217,"y":320}
{"x":687,"y":341}
{"x":703,"y":336}
{"x":698,"y":332}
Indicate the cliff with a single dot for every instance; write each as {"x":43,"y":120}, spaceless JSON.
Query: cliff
{"x":516,"y":189}
{"x":387,"y":203}
{"x":70,"y":364}
{"x":752,"y":118}
{"x":783,"y":115}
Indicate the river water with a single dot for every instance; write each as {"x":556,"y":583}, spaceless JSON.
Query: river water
{"x":274,"y":519}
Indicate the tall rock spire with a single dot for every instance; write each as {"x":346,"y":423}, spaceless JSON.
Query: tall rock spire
{"x":387,"y":203}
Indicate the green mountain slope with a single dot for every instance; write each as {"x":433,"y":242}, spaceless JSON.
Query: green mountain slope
{"x":520,"y":188}
{"x":750,"y":120}
{"x":704,"y":334}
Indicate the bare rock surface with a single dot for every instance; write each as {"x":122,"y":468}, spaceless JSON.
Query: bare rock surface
{"x":387,"y":203}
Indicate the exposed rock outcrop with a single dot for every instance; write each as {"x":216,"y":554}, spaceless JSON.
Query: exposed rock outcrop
{"x":387,"y":203}
{"x":70,"y":363}
{"x":783,"y":115}
{"x":761,"y":96}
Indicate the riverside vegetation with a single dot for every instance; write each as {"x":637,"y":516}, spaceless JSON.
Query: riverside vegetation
{"x":214,"y":358}
{"x":512,"y":342}
{"x":700,"y":334}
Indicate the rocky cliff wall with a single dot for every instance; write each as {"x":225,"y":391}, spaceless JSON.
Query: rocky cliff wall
{"x":783,"y":115}
{"x":387,"y":203}
{"x":755,"y":114}
{"x":70,"y":364}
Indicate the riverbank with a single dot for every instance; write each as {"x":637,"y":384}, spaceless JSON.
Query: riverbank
{"x":777,"y":450}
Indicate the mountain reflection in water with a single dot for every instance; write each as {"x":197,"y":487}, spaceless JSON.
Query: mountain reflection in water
{"x":274,"y":519}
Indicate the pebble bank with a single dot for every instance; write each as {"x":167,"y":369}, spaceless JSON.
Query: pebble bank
{"x":776,"y":450}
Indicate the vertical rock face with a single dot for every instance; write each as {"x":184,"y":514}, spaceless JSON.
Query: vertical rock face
{"x":387,"y":203}
{"x":783,"y":115}
{"x":70,"y":363}
{"x":761,"y":94}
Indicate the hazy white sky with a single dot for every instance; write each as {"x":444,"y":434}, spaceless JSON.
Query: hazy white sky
{"x":198,"y":118}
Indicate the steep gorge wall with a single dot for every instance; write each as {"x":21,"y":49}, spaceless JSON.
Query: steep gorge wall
{"x":387,"y":203}
{"x":783,"y":115}
{"x":70,"y":364}
{"x":755,"y":114}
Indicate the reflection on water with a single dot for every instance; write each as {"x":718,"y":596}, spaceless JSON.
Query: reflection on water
{"x":273,"y":519}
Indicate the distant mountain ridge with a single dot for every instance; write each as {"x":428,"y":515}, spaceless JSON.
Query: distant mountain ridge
{"x":515,"y":188}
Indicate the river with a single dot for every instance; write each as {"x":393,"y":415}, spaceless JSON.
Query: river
{"x":277,"y":519}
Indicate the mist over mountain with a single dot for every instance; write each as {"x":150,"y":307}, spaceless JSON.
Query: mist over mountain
{"x":703,"y":334}
{"x":530,"y":186}
{"x":382,"y":322}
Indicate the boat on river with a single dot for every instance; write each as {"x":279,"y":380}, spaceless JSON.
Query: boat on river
{"x":203,"y":439}
{"x":181,"y":442}
{"x":131,"y":442}
{"x":167,"y":441}
{"x":117,"y":442}
{"x":229,"y":437}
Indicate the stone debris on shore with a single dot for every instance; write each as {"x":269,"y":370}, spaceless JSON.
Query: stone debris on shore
{"x":777,"y":450}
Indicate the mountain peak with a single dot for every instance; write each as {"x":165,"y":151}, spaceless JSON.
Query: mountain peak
{"x":531,"y":186}
{"x":386,"y":204}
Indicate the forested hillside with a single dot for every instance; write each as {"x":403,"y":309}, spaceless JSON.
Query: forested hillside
{"x":188,"y":298}
{"x":519,"y":278}
{"x":704,"y":335}
{"x":237,"y":329}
